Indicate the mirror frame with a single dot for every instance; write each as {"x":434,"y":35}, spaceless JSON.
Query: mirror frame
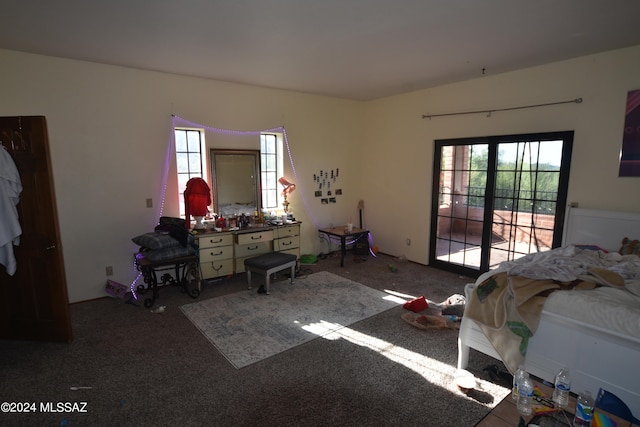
{"x":216,"y":182}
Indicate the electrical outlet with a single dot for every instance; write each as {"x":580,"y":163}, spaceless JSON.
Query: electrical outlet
{"x":408,"y":242}
{"x":149,"y":203}
{"x":109,"y":270}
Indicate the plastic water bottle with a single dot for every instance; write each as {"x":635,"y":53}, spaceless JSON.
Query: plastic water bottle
{"x":516,"y":379}
{"x":525,"y":396}
{"x":584,"y":410}
{"x":563,"y":386}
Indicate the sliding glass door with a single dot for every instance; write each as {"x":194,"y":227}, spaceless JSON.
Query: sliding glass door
{"x":497,"y":198}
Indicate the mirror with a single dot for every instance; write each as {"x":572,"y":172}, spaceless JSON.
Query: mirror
{"x":236,"y":182}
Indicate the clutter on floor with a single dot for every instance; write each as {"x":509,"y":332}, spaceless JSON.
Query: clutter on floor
{"x":425,"y":321}
{"x":451,"y":312}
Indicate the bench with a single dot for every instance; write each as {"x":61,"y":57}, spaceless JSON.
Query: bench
{"x":268,"y":264}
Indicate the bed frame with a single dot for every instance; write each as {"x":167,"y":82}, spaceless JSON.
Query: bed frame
{"x":597,"y":358}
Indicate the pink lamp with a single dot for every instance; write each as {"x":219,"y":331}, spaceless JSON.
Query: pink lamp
{"x":287,"y":189}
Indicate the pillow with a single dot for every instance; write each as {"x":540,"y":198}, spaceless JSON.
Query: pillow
{"x":155,"y":241}
{"x":630,"y":247}
{"x":169,"y":253}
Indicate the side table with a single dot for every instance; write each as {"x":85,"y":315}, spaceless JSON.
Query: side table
{"x":343,"y":233}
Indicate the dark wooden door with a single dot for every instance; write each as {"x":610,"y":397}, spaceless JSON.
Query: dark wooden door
{"x":34,"y":302}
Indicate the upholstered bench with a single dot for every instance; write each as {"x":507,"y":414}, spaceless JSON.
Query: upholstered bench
{"x":268,"y":264}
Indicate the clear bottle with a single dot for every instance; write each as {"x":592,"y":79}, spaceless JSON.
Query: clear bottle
{"x":516,"y":379}
{"x":525,"y":396}
{"x":562,"y":388}
{"x":584,"y":410}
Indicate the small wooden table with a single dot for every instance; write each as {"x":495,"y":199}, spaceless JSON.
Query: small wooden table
{"x":342,"y":233}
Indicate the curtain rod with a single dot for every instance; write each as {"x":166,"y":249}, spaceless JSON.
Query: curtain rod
{"x":488,"y":112}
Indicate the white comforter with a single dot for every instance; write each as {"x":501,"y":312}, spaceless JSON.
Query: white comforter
{"x":570,"y":263}
{"x":610,"y":308}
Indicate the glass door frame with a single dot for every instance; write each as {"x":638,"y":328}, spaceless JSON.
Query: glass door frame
{"x":492,"y":142}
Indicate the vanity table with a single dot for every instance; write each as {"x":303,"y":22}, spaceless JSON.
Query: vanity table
{"x":343,"y":234}
{"x":223,"y":253}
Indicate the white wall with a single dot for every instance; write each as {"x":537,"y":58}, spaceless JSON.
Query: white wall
{"x":398,"y":160}
{"x":109,"y":129}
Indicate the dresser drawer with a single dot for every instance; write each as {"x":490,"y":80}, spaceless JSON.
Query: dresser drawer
{"x":286,"y":243}
{"x":217,"y":253}
{"x":286,"y":231}
{"x":253,"y":249}
{"x":216,"y":268}
{"x":260,"y":236}
{"x":211,"y":241}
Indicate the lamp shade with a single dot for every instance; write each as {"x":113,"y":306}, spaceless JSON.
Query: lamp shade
{"x":197,"y":197}
{"x":288,"y":187}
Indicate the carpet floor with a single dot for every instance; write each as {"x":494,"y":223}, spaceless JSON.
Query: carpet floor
{"x":133,"y":367}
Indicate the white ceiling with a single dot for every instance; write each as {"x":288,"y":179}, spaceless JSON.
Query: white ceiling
{"x":357,"y":49}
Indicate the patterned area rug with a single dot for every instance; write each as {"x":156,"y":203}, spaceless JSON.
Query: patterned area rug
{"x":247,"y":327}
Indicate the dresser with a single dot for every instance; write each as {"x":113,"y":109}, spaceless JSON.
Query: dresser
{"x":223,"y":253}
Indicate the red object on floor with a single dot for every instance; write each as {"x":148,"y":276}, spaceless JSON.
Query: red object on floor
{"x":417,"y":305}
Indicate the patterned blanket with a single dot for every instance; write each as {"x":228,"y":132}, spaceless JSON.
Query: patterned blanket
{"x":507,"y":309}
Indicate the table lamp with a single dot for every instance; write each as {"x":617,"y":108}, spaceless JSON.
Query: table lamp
{"x":197,"y":196}
{"x":287,"y":189}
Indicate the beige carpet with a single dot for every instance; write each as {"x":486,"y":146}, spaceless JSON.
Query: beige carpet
{"x":247,"y":327}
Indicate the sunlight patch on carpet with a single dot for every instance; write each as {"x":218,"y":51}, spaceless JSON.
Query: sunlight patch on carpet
{"x":247,"y":327}
{"x":432,"y":370}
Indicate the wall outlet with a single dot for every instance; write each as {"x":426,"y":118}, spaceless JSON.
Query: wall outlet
{"x":149,"y":203}
{"x":408,"y":242}
{"x":109,"y":270}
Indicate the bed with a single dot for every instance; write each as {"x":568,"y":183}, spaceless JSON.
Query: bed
{"x":601,"y":352}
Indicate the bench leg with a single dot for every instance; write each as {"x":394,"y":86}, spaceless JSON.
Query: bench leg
{"x":249,"y":278}
{"x":267,"y":280}
{"x":293,"y":272}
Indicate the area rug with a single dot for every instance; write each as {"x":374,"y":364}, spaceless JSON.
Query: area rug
{"x":247,"y":327}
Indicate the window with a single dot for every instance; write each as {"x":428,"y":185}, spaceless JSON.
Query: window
{"x":189,"y":159}
{"x":271,"y":168}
